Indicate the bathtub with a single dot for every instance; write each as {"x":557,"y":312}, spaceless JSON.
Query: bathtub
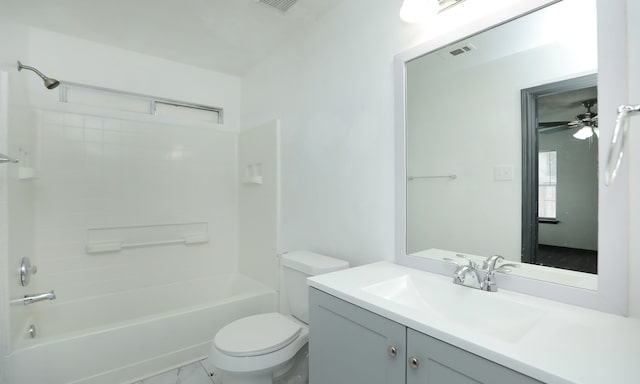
{"x":130,"y":335}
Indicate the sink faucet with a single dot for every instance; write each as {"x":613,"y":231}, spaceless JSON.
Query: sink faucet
{"x":465,"y":274}
{"x":488,"y":283}
{"x":28,"y":299}
{"x":469,"y":274}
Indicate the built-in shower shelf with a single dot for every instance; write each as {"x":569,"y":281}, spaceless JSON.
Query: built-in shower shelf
{"x":27,"y":173}
{"x":116,"y":239}
{"x":252,"y":174}
{"x":252,"y":180}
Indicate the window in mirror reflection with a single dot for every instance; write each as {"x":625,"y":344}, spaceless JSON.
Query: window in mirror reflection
{"x":547,"y":180}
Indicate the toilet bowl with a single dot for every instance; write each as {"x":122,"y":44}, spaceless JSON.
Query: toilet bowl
{"x":272,"y":347}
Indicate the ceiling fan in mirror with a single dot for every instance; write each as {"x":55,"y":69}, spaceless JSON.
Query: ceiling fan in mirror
{"x":586,"y":123}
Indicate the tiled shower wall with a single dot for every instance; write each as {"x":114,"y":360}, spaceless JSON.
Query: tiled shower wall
{"x":96,"y":172}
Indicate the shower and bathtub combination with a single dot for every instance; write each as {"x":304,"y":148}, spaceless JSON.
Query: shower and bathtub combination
{"x":135,"y":225}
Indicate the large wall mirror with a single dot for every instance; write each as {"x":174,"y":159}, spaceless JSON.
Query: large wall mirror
{"x":500,"y":146}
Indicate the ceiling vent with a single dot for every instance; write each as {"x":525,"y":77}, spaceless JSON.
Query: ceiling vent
{"x":463,"y":48}
{"x":280,"y":5}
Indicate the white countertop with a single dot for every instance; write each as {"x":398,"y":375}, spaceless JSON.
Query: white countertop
{"x":564,"y":344}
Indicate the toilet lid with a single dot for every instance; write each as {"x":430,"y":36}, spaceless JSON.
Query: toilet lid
{"x":257,"y":335}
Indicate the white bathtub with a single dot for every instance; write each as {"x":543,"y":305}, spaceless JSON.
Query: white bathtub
{"x":129,"y":335}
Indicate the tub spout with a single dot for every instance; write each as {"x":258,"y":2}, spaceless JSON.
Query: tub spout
{"x":28,"y":299}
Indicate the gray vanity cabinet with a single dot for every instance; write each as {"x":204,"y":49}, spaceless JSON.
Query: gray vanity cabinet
{"x":432,"y":361}
{"x":350,"y":345}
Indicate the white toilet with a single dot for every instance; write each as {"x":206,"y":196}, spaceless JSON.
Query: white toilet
{"x":272,"y":347}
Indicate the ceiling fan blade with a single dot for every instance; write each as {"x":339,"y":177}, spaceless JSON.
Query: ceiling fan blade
{"x":546,"y":124}
{"x":557,"y":128}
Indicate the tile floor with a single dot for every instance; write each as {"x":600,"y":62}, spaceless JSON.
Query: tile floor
{"x":195,"y":373}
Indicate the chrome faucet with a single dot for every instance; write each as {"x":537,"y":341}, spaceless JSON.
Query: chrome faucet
{"x":488,"y":283}
{"x":28,"y":299}
{"x":465,"y":274}
{"x":469,"y":275}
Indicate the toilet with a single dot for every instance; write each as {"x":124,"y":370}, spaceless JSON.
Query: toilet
{"x":272,"y":347}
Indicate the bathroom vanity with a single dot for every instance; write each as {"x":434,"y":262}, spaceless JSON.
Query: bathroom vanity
{"x":386,"y":323}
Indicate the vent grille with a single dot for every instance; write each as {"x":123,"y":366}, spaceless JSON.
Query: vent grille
{"x":462,"y":49}
{"x":280,"y":5}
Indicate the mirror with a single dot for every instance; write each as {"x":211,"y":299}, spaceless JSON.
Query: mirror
{"x":466,"y":171}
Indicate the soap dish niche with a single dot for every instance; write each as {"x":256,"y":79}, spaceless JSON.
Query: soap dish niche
{"x":27,"y":173}
{"x":252,"y":174}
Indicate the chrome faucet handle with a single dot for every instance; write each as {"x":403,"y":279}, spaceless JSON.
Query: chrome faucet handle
{"x":461,"y":270}
{"x":504,"y":268}
{"x":490,"y":263}
{"x":26,"y":270}
{"x":451,"y":261}
{"x":489,"y":283}
{"x":472,"y":263}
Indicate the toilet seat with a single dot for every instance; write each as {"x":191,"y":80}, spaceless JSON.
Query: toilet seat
{"x":257,"y":335}
{"x":260,"y":363}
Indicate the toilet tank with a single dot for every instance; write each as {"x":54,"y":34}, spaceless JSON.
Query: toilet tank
{"x":296,"y":267}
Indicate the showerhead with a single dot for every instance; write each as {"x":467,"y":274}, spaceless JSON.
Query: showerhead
{"x":49,"y":82}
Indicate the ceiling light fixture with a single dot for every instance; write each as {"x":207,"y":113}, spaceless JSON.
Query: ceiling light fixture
{"x":418,"y":11}
{"x":586,"y":132}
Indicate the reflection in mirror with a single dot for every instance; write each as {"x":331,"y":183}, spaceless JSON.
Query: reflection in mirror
{"x":464,"y":134}
{"x":560,"y":174}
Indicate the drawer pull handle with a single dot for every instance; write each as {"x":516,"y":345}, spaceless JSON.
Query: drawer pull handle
{"x":392,"y":351}
{"x":413,"y":362}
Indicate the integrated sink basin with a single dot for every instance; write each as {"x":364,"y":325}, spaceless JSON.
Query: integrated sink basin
{"x":485,"y":312}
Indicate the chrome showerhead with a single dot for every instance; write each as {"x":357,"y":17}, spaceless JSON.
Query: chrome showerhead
{"x":49,"y":82}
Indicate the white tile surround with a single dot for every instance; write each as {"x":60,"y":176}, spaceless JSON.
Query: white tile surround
{"x":195,"y":373}
{"x":97,"y":172}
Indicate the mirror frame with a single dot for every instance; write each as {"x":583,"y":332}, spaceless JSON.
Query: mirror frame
{"x":613,"y":206}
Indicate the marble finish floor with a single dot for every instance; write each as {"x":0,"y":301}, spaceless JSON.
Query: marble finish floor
{"x":195,"y":373}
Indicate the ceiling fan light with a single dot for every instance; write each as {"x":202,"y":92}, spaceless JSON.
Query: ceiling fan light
{"x":584,"y":133}
{"x":418,"y":11}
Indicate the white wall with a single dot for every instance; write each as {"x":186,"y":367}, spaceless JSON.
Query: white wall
{"x":258,"y":202}
{"x":71,"y":59}
{"x":333,"y":90}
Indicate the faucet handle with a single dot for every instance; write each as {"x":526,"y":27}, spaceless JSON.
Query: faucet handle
{"x":451,"y":261}
{"x":490,"y":262}
{"x":504,"y":268}
{"x":472,"y":263}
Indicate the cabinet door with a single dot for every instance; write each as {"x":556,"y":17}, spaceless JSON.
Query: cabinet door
{"x":442,"y":363}
{"x":348,"y":344}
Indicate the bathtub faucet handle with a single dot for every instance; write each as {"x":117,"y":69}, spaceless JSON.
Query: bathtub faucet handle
{"x":28,"y":299}
{"x":26,"y":270}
